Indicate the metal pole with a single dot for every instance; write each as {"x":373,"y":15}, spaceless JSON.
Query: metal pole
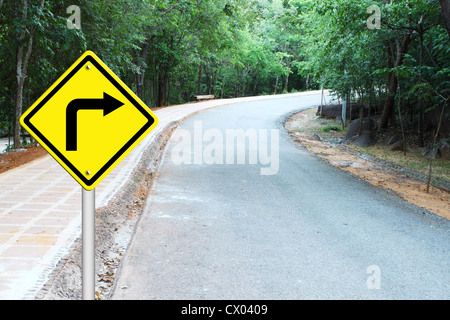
{"x":88,"y":258}
{"x":344,"y":112}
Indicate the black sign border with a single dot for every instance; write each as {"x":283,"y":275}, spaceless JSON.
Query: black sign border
{"x":89,"y":182}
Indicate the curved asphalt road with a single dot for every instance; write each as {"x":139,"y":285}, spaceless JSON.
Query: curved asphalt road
{"x":310,"y":231}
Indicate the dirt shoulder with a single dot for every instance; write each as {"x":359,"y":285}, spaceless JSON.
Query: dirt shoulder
{"x":373,"y":166}
{"x":14,"y":159}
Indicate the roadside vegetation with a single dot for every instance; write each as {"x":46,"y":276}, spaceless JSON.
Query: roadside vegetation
{"x":308,"y":123}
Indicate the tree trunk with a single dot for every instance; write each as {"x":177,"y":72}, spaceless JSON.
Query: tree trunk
{"x":321,"y":103}
{"x":18,"y":109}
{"x":255,"y":85}
{"x":351,"y":108}
{"x":434,"y":145}
{"x":397,"y":52}
{"x":361,"y":114}
{"x":199,"y":79}
{"x":389,"y":105}
{"x":344,"y":112}
{"x":168,"y":91}
{"x":237,"y":83}
{"x":445,"y":6}
{"x":20,"y":80}
{"x":21,"y":71}
{"x":139,"y":80}
{"x":421,"y":109}
{"x":214,"y":82}
{"x":162,"y":87}
{"x":400,"y":119}
{"x":286,"y":87}
{"x":139,"y":76}
{"x":208,"y":80}
{"x":223,"y":86}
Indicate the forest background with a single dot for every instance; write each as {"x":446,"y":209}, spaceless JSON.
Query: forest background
{"x":390,"y":56}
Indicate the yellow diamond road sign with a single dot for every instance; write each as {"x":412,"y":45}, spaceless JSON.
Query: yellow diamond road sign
{"x":89,"y":120}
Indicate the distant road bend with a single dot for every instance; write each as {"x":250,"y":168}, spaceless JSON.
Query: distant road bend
{"x":276,"y":224}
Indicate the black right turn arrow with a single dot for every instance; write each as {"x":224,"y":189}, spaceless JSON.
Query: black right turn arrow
{"x":108,"y":104}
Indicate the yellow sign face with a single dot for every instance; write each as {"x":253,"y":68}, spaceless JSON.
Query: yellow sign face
{"x":89,"y":120}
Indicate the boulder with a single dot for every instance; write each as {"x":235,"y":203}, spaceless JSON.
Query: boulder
{"x":368,"y":126}
{"x":432,"y":118}
{"x":334,"y":111}
{"x":444,"y":149}
{"x":330,"y":111}
{"x":429,"y":152}
{"x":395,"y":138}
{"x":366,"y":139}
{"x":397,"y":146}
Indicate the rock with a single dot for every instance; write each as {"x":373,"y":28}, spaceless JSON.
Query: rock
{"x":367,"y":137}
{"x":430,"y":153}
{"x":444,"y":149}
{"x":395,"y":138}
{"x":432,"y":118}
{"x":397,"y":146}
{"x":331,"y":111}
{"x":344,"y":163}
{"x":365,"y":140}
{"x":334,"y":111}
{"x":321,"y":121}
{"x":368,"y":125}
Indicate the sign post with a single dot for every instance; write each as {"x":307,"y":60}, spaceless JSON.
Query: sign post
{"x":89,"y":120}
{"x":88,"y":255}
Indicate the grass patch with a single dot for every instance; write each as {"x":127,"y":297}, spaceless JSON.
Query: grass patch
{"x":413,"y":160}
{"x":328,"y":128}
{"x":309,"y":123}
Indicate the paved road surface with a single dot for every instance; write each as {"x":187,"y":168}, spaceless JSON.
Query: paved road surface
{"x":310,"y":231}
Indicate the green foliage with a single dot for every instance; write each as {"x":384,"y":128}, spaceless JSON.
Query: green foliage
{"x":168,"y":51}
{"x":328,"y":128}
{"x":411,"y":46}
